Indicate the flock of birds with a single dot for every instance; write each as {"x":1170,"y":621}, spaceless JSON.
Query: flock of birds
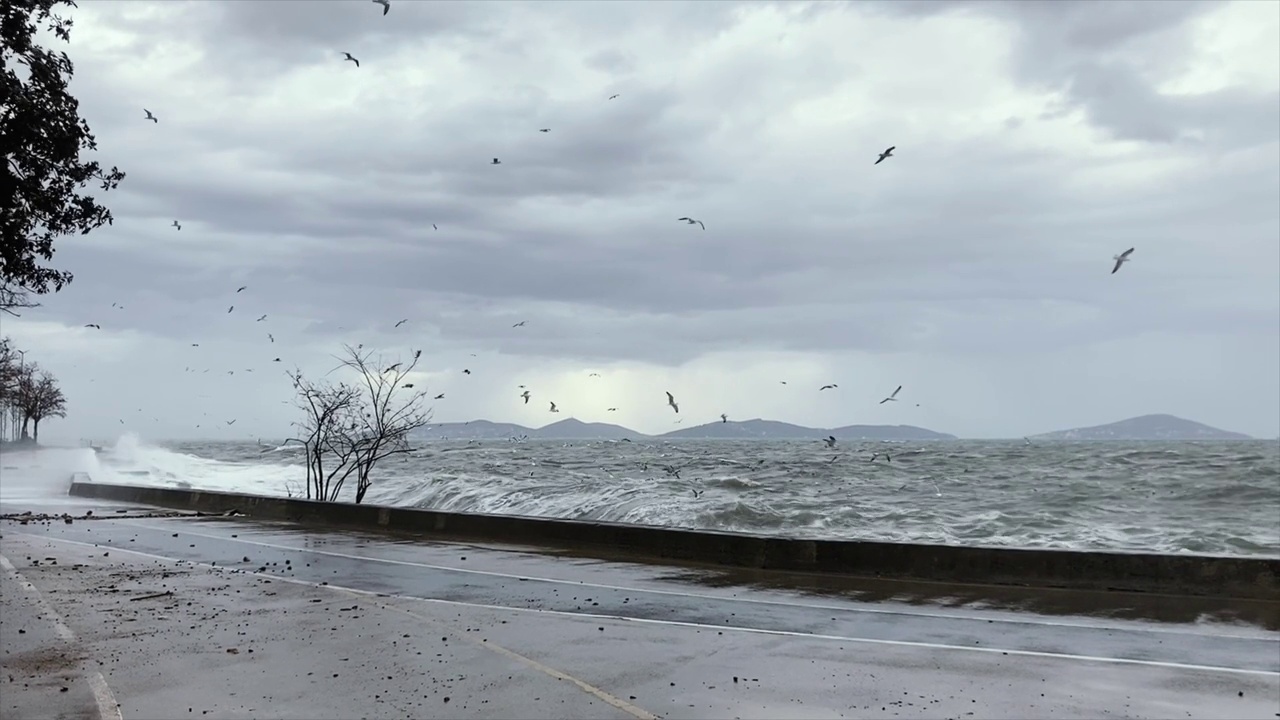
{"x":526,"y":395}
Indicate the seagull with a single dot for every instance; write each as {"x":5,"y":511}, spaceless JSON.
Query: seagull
{"x":830,"y":440}
{"x":594,"y":375}
{"x":233,"y":307}
{"x":828,"y":387}
{"x":175,"y":224}
{"x":407,"y":385}
{"x":525,"y":395}
{"x":612,"y":97}
{"x":466,"y":371}
{"x":520,"y":324}
{"x":612,"y":410}
{"x":264,"y":317}
{"x":496,"y":161}
{"x":392,"y":369}
{"x":724,"y":418}
{"x":231,"y":422}
{"x":271,"y":337}
{"x":553,"y":408}
{"x":352,"y":59}
{"x":402,"y":322}
{"x":1121,"y":259}
{"x":96,"y":327}
{"x":276,"y":360}
{"x":386,"y":5}
{"x":887,"y":457}
{"x":195,"y":344}
{"x":433,"y":226}
{"x":697,"y":494}
{"x":544,"y":130}
{"x":149,"y":116}
{"x":440,"y":396}
{"x":691,"y":221}
{"x":886,"y":154}
{"x":893,"y":397}
{"x":671,"y":400}
{"x":242,"y":288}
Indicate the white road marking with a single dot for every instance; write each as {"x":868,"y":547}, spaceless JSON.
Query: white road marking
{"x":701,"y":626}
{"x":99,"y":684}
{"x":704,"y":596}
{"x":108,"y":708}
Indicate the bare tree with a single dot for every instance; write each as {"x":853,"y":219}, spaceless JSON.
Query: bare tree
{"x":325,"y":440}
{"x":10,"y":372}
{"x":40,"y":398}
{"x":350,"y":428}
{"x":392,"y":411}
{"x":14,"y":298}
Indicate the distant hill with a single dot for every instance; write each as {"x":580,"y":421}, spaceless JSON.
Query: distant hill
{"x":573,"y":429}
{"x":758,"y":429}
{"x":1146,"y":427}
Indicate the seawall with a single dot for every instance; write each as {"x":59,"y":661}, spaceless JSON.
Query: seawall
{"x":1182,"y":574}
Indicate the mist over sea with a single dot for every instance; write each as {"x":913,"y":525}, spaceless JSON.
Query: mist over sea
{"x":1203,"y":497}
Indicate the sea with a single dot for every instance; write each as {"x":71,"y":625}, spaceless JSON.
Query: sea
{"x":1169,"y":497}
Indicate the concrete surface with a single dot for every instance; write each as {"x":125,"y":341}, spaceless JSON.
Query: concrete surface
{"x":1184,"y":573}
{"x":272,"y":621}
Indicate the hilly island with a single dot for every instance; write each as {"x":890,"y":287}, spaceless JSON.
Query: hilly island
{"x":1146,"y":427}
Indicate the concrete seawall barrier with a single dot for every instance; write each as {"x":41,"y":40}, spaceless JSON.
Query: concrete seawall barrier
{"x":1185,"y":574}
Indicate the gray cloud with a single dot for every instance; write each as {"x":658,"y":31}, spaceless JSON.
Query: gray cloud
{"x":1035,"y":140}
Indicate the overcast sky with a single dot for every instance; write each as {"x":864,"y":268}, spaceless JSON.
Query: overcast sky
{"x":1034,"y":142}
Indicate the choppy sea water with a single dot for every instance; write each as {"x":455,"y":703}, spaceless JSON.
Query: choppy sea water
{"x":1204,"y":497}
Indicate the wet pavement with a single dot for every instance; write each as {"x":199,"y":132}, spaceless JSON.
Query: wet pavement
{"x":227,"y":618}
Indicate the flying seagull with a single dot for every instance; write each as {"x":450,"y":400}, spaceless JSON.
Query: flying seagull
{"x":525,"y":395}
{"x":386,"y":5}
{"x":828,"y":387}
{"x":496,"y":161}
{"x":671,"y":400}
{"x":893,"y":397}
{"x":402,"y":322}
{"x":724,"y":418}
{"x":242,"y":288}
{"x":691,"y":221}
{"x":175,"y":224}
{"x":440,"y":396}
{"x":553,"y":408}
{"x":149,"y":116}
{"x":544,"y":130}
{"x":612,"y":97}
{"x":830,"y":440}
{"x":1121,"y":259}
{"x":271,"y":337}
{"x":520,"y":324}
{"x":264,"y":317}
{"x":352,"y":59}
{"x":466,"y":371}
{"x":95,"y":327}
{"x":612,"y":410}
{"x":233,"y":307}
{"x":886,"y":154}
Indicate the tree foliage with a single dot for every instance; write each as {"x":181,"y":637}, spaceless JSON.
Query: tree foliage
{"x":28,"y":394}
{"x":349,"y":428}
{"x":39,"y":397}
{"x":42,"y":139}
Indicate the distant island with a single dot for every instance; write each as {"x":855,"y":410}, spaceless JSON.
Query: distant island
{"x":756,"y":429}
{"x":1146,"y":427}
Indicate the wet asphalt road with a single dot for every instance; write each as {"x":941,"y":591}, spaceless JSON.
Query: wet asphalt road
{"x":658,"y":629}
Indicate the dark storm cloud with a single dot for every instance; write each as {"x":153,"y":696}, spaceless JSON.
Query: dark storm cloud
{"x":1108,"y":58}
{"x":988,"y":237}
